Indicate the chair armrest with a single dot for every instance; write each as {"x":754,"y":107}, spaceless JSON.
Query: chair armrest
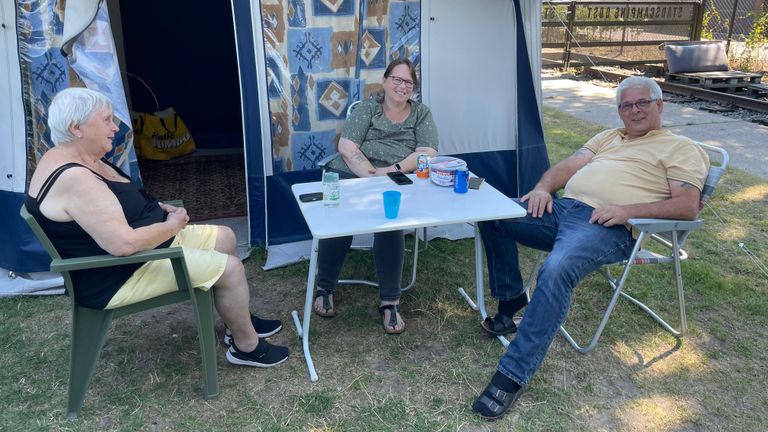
{"x":650,"y":225}
{"x":174,"y":202}
{"x":326,"y":160}
{"x":97,"y":261}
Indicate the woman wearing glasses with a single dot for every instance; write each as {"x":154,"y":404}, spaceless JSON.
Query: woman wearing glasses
{"x":381,"y":135}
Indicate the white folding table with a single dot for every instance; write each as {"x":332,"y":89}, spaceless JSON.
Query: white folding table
{"x":423,"y":204}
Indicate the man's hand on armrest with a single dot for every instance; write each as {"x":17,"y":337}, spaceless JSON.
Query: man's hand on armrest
{"x":611,"y":215}
{"x":684,"y":205}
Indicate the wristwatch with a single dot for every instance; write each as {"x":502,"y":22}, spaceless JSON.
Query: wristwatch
{"x":397,"y":165}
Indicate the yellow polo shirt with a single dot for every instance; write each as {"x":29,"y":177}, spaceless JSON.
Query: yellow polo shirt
{"x":636,"y":171}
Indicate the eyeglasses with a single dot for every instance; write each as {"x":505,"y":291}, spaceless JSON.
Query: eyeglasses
{"x":397,"y":81}
{"x":641,"y":104}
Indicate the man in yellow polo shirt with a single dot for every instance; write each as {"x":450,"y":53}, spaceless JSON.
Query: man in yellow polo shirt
{"x":639,"y":171}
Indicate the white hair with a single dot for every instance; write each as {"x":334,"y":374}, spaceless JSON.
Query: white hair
{"x":73,"y":107}
{"x":639,"y":82}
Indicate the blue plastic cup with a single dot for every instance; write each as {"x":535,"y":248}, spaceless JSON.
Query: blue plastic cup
{"x":391,"y":203}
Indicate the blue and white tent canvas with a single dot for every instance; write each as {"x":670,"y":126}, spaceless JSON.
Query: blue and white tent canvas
{"x":298,"y":64}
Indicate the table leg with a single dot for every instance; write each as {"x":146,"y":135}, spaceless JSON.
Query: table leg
{"x":479,"y":279}
{"x":302,"y":328}
{"x":479,"y":284}
{"x":415,"y":258}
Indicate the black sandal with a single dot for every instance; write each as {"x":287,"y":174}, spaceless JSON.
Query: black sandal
{"x":391,"y":325}
{"x":329,"y":309}
{"x":499,"y":325}
{"x":494,"y":402}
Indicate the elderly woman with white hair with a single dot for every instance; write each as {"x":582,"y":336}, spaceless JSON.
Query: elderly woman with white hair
{"x":88,"y":206}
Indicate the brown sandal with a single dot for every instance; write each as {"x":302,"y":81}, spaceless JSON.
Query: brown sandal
{"x":329,"y":309}
{"x":390,"y":326}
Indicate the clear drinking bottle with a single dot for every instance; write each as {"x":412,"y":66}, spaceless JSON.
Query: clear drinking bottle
{"x":331,"y":195}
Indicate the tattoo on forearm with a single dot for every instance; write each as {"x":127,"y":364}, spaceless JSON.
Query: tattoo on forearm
{"x":359,"y":157}
{"x":685,"y":185}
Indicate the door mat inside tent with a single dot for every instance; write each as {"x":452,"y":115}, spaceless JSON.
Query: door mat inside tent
{"x":211,"y":186}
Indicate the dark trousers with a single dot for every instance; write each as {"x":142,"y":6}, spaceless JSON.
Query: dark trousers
{"x":388,"y":253}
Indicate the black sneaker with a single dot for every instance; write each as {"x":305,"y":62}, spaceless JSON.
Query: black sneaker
{"x":264,"y":328}
{"x":265,"y":355}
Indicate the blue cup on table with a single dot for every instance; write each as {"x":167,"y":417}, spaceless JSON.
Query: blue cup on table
{"x":391,"y":203}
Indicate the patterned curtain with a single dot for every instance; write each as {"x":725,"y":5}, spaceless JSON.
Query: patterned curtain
{"x":45,"y":72}
{"x":321,"y":56}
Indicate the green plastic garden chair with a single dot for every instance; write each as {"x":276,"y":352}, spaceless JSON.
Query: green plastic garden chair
{"x":90,"y":326}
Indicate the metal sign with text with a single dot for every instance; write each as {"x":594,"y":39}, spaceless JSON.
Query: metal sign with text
{"x":576,"y":33}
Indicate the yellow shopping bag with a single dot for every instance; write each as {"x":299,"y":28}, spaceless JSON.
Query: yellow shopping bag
{"x":161,"y":135}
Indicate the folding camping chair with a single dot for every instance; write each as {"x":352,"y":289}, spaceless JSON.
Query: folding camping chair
{"x":322,"y":164}
{"x":90,"y":326}
{"x":670,"y":235}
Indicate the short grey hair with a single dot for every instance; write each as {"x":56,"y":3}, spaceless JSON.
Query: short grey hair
{"x":73,"y":106}
{"x":639,"y":82}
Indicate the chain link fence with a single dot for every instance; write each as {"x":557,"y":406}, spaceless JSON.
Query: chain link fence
{"x":742,"y":24}
{"x":731,"y":20}
{"x":628,"y":32}
{"x":582,"y":33}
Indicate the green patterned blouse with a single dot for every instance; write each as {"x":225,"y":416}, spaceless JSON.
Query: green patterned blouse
{"x":383,"y":142}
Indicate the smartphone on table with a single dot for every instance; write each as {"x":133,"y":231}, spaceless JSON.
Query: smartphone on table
{"x":475,"y":182}
{"x":399,"y":178}
{"x":312,"y":196}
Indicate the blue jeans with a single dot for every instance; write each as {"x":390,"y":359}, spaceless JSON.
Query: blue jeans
{"x":576,"y":248}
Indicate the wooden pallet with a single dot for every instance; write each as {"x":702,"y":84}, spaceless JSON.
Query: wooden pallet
{"x":729,"y":81}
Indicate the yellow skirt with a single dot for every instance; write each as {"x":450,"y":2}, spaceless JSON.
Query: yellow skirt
{"x":204,"y":264}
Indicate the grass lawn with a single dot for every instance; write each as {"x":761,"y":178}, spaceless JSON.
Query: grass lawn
{"x":638,"y":378}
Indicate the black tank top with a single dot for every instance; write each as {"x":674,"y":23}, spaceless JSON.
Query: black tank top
{"x":94,"y":288}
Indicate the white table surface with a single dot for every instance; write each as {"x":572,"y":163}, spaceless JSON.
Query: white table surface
{"x":423,"y":203}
